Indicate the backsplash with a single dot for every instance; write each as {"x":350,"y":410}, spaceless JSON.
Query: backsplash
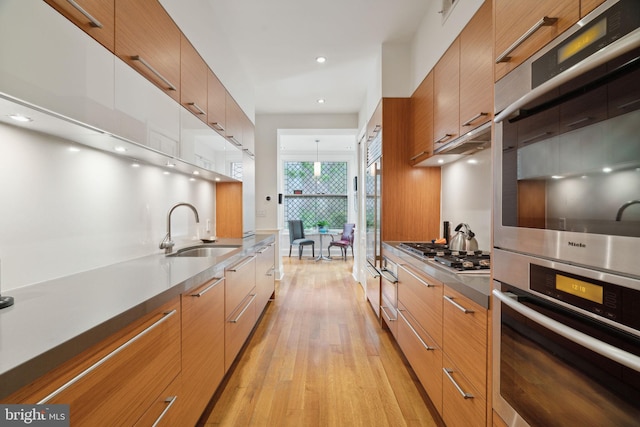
{"x":466,"y":195}
{"x":65,"y":211}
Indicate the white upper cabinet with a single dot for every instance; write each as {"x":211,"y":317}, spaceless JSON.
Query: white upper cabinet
{"x":49,"y":62}
{"x":145,"y":114}
{"x":200,"y":145}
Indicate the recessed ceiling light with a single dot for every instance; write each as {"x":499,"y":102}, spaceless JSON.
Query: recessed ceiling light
{"x":321,"y":101}
{"x":165,"y":173}
{"x":20,"y":118}
{"x":472,"y":161}
{"x":217,"y":179}
{"x":440,"y":161}
{"x":74,"y":149}
{"x":120,"y":149}
{"x":606,"y":170}
{"x":135,"y":165}
{"x":196,"y":173}
{"x":321,"y":59}
{"x":557,"y":176}
{"x":170,"y":165}
{"x":192,"y":179}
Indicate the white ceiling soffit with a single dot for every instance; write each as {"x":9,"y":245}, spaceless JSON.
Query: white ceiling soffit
{"x":304,"y":140}
{"x":276,"y":43}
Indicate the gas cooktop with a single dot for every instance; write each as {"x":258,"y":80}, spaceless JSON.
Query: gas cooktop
{"x":426,"y":249}
{"x":477,"y":262}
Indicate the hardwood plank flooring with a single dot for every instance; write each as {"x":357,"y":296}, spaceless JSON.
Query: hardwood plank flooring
{"x":318,"y":357}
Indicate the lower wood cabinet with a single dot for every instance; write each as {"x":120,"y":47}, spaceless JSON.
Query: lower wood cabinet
{"x":202,"y":347}
{"x":462,"y":406}
{"x":118,"y":380}
{"x":265,"y":284}
{"x":166,"y":410}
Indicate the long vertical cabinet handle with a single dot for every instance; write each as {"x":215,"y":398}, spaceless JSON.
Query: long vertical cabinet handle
{"x":545,"y":21}
{"x":170,"y":400}
{"x":208,"y":288}
{"x":458,"y":306}
{"x":92,"y":21}
{"x":464,"y":394}
{"x":169,"y":85}
{"x":91,"y":368}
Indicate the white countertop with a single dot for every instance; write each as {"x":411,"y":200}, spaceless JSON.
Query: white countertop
{"x":52,"y":321}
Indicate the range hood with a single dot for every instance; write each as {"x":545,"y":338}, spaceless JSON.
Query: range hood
{"x":465,"y":145}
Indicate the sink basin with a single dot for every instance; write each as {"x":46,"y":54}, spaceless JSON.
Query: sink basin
{"x":204,"y":251}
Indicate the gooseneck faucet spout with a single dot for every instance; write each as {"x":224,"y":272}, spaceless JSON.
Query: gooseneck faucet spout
{"x":625,"y":206}
{"x":167,"y":243}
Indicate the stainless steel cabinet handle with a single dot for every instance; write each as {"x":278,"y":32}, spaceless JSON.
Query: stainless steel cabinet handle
{"x":418,"y":278}
{"x":383,"y":308}
{"x":196,"y":107}
{"x":154,"y":71}
{"x":253,"y":296}
{"x":217,"y":126}
{"x":204,"y":291}
{"x":234,"y":141}
{"x":474,"y":118}
{"x":376,"y":274}
{"x":414,"y":331}
{"x":444,"y":138}
{"x":577,"y":122}
{"x":234,"y":268}
{"x":607,"y":350}
{"x":170,"y":401}
{"x":92,"y":21}
{"x":418,"y":155}
{"x":545,"y":21}
{"x":628,"y":104}
{"x":448,"y":373}
{"x":540,"y":135}
{"x":458,"y":306}
{"x":91,"y":368}
{"x":388,"y":276}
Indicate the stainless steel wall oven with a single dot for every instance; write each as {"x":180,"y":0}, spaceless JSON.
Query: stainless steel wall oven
{"x":566,"y":270}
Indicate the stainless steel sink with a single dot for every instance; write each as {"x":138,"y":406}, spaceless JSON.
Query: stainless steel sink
{"x":204,"y":251}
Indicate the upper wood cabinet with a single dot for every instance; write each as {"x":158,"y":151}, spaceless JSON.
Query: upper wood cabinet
{"x":374,"y":125}
{"x":446,"y":107}
{"x":587,"y":6}
{"x":234,"y":119}
{"x":476,"y":70}
{"x":94,"y":17}
{"x":216,"y":103}
{"x":422,"y":121}
{"x":522,"y":28}
{"x":193,"y":80}
{"x":148,"y":40}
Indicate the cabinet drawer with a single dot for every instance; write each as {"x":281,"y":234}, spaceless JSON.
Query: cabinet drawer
{"x":118,"y":380}
{"x":265,"y":285}
{"x":465,"y":337}
{"x":422,"y":296}
{"x":461,"y":406}
{"x":240,"y":280}
{"x":423,"y":354}
{"x":238,"y":327}
{"x":389,"y":314}
{"x":166,"y":409}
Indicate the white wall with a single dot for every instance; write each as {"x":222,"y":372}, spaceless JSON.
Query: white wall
{"x":64,"y":212}
{"x":467,"y":195}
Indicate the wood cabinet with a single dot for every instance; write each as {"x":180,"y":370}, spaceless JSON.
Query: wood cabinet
{"x":265,"y":280}
{"x":587,"y":6}
{"x":240,"y":306}
{"x":523,"y":28}
{"x":94,"y":17}
{"x":422,"y":121}
{"x":234,"y":120}
{"x":166,"y":409}
{"x":374,"y":125}
{"x":118,"y":380}
{"x":465,"y":363}
{"x":203,"y":315}
{"x":149,"y":41}
{"x":410,"y":196}
{"x":229,"y":209}
{"x":194,"y":75}
{"x":476,"y":70}
{"x":216,"y":103}
{"x":446,"y":106}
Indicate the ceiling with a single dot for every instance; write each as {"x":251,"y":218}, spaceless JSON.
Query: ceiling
{"x":276,"y":43}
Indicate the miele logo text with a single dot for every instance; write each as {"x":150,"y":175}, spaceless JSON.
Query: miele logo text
{"x":577,"y":245}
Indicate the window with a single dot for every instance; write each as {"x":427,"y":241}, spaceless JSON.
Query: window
{"x":236,"y":170}
{"x":314,"y":198}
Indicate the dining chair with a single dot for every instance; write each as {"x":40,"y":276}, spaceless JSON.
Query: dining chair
{"x":296,"y":237}
{"x":345,"y":241}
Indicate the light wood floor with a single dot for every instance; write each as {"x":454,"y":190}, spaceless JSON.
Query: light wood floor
{"x":318,"y":357}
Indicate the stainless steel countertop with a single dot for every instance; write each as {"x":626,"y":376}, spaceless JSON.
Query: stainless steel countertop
{"x":476,"y":287}
{"x":55,"y":320}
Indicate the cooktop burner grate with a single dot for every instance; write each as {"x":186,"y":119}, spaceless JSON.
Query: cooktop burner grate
{"x":426,"y":249}
{"x":465,"y":260}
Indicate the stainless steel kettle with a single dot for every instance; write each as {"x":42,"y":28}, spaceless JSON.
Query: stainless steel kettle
{"x":464,"y":239}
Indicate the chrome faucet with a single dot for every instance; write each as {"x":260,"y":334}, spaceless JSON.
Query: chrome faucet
{"x":167,"y":243}
{"x":623,"y":207}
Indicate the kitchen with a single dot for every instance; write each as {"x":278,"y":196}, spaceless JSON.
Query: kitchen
{"x":472,"y":206}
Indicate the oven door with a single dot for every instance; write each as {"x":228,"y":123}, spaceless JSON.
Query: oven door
{"x":567,"y":149}
{"x":554,"y":365}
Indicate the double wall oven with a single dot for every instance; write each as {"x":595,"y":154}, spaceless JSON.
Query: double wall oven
{"x":566,"y":339}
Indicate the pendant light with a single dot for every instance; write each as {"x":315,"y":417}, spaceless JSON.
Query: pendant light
{"x":317,"y":166}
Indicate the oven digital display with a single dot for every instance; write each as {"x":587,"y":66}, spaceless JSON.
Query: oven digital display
{"x":579,"y":288}
{"x":587,"y":38}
